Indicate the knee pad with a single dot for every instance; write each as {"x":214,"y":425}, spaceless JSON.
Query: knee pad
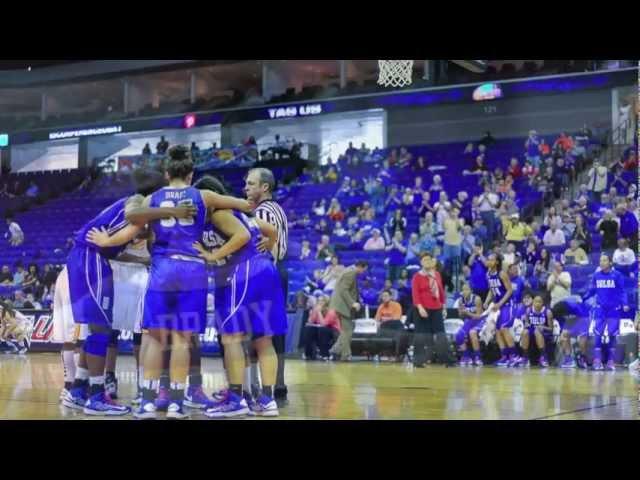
{"x":137,"y":339}
{"x":278,"y":344}
{"x":97,"y":344}
{"x":113,"y":339}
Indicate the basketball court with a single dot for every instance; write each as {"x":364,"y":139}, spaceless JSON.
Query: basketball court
{"x":30,"y":386}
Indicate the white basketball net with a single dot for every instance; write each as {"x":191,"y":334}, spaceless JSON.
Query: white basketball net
{"x":395,"y":73}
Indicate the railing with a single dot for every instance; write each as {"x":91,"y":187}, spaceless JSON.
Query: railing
{"x":616,"y":141}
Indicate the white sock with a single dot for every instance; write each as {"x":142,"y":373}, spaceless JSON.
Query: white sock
{"x":76,"y":358}
{"x":82,"y":373}
{"x":97,"y":380}
{"x":69,"y":365}
{"x":151,"y":384}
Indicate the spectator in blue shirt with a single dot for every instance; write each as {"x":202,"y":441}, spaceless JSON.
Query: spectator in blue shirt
{"x":413,"y":250}
{"x":478,"y":276}
{"x":394,"y":200}
{"x":425,"y":205}
{"x":618,"y":181}
{"x":463,"y":203}
{"x":18,"y":276}
{"x":468,"y":243}
{"x":531,"y":257}
{"x":428,"y":233}
{"x":375,"y":190}
{"x":531,"y":146}
{"x":517,"y":283}
{"x":396,"y":252}
{"x":628,"y":223}
{"x":480,"y":233}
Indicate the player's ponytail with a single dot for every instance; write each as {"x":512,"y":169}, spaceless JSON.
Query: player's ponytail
{"x":180,"y":164}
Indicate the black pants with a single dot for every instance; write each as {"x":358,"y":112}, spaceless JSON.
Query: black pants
{"x":279,"y":341}
{"x":322,"y":338}
{"x":395,"y":329}
{"x":426,"y":330}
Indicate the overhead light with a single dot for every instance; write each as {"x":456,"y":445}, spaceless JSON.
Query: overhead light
{"x":29,"y":68}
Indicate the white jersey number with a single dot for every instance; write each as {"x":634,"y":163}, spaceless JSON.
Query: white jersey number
{"x":171,"y":222}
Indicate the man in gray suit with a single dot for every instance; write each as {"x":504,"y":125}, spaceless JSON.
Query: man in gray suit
{"x":346,"y":301}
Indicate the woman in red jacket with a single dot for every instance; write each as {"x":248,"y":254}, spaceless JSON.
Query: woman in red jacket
{"x":428,"y":300}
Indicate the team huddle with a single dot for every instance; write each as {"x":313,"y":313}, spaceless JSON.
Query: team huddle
{"x":185,"y":234}
{"x":506,"y":302}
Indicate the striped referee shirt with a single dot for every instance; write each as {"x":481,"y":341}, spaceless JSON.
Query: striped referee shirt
{"x":270,"y":212}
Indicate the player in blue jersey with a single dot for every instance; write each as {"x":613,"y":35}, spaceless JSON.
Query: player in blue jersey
{"x":470,"y":309}
{"x":573,"y":308}
{"x":249,"y":303}
{"x":538,"y":323}
{"x":91,"y":294}
{"x":607,"y":285}
{"x":500,"y":292}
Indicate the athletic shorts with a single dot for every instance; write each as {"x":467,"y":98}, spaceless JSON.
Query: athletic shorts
{"x":505,"y":316}
{"x":129,"y":285}
{"x":90,"y":287}
{"x":65,"y":330}
{"x":531,"y":329}
{"x":471,"y":324}
{"x":249,"y":299}
{"x":176,"y":295}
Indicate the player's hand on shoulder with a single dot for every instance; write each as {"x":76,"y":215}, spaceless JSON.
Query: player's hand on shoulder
{"x":185,"y":211}
{"x":98,"y":237}
{"x":263,"y":245}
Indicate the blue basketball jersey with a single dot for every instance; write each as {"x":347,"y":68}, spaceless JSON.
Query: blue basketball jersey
{"x":497,"y":286}
{"x":113,"y":220}
{"x":213,"y":238}
{"x":608,"y":287}
{"x":175,"y":236}
{"x":537,"y":318}
{"x":470,"y":303}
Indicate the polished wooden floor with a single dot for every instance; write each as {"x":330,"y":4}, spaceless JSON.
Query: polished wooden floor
{"x":30,"y":386}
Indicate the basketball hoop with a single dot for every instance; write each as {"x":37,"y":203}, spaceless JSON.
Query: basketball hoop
{"x":395,"y":73}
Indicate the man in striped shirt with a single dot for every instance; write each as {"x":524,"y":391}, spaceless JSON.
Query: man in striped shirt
{"x":259,"y":186}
